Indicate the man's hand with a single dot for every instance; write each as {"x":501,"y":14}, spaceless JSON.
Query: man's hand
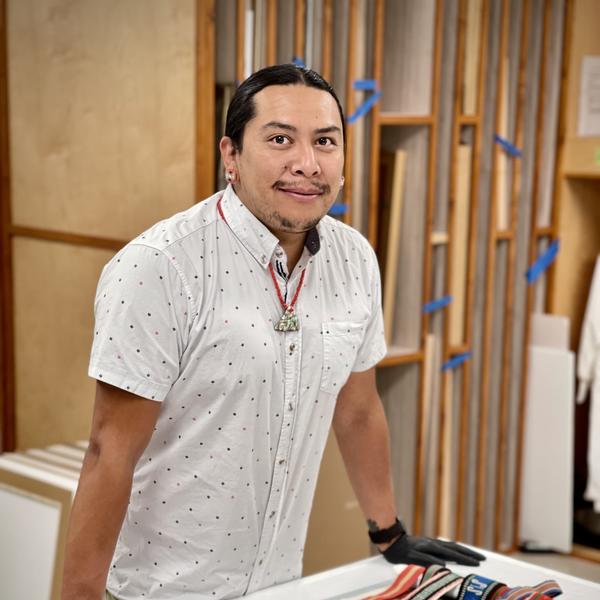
{"x":424,"y":551}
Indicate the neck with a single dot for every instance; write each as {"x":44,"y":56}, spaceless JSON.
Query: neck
{"x":293,"y":244}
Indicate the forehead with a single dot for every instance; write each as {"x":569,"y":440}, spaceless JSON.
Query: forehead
{"x":298,"y":105}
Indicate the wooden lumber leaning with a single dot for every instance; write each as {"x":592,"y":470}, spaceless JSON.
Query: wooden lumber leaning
{"x":460,"y":241}
{"x":393,"y":246}
{"x":472,"y":56}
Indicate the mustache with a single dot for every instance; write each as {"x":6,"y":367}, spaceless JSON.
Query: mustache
{"x":322,"y":187}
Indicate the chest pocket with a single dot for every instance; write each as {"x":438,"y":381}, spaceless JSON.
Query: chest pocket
{"x":341,"y":341}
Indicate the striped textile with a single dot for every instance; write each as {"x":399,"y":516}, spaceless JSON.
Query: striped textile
{"x":541,"y":591}
{"x":407,"y":586}
{"x":477,"y":587}
{"x":405,"y":582}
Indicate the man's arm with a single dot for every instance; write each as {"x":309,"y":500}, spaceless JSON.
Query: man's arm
{"x":361,"y":430}
{"x":362,"y":434}
{"x":122,"y":426}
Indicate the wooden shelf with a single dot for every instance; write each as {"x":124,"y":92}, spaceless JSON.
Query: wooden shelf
{"x":504,"y":235}
{"x":545,"y":231}
{"x":400,"y":356}
{"x":469,"y":120}
{"x":390,"y":118}
{"x":593,"y":175}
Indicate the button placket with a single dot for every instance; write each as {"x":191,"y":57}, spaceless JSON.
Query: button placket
{"x":274,"y":503}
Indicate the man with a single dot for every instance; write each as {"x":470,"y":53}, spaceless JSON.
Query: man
{"x":224,"y":336}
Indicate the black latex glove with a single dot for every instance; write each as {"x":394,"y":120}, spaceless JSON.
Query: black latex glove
{"x":424,"y":551}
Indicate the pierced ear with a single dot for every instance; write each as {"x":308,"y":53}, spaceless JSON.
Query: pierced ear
{"x":228,"y":152}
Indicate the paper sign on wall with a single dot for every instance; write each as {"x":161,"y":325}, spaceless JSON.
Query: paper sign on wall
{"x":589,"y":97}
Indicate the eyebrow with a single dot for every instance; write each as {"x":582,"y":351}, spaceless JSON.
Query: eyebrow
{"x":288,"y":127}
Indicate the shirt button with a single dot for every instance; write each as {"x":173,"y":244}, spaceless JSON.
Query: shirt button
{"x":290,"y":406}
{"x":263,"y":258}
{"x":260,"y":562}
{"x":272,"y":515}
{"x":281,"y":461}
{"x":292,"y":347}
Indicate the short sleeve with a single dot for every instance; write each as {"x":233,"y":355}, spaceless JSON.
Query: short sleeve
{"x":373,"y":347}
{"x":142,"y":316}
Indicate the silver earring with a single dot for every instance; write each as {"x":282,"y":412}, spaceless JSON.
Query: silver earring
{"x":229,"y":176}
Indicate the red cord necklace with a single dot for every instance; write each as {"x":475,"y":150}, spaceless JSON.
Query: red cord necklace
{"x":289,"y":319}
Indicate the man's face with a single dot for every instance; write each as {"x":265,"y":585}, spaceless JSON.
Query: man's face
{"x":292,"y":158}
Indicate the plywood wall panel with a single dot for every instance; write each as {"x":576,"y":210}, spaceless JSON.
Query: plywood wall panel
{"x":102,"y":123}
{"x":346,"y":540}
{"x":54,"y":288}
{"x":399,"y":390}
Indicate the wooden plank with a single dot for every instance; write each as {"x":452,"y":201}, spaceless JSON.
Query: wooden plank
{"x":396,"y":356}
{"x":326,"y":57}
{"x":438,"y":238}
{"x":488,"y":312}
{"x":472,"y":56}
{"x":509,"y":300}
{"x":561,"y":137}
{"x":259,"y":41}
{"x":66,"y":238}
{"x":205,"y":98}
{"x":460,"y":243}
{"x":271,"y":55}
{"x":378,"y":26}
{"x":394,"y":118}
{"x":299,"y":28}
{"x":442,"y":515}
{"x":393,"y":246}
{"x":428,"y":254}
{"x":548,"y":126}
{"x":240,"y":26}
{"x":446,"y":447}
{"x":7,"y":365}
{"x":350,"y":104}
{"x":465,"y":414}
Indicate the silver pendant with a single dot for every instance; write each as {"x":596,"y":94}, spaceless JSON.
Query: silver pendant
{"x":288,"y":321}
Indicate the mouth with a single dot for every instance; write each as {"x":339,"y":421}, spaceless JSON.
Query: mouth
{"x":304,"y":194}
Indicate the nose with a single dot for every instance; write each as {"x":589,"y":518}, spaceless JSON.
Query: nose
{"x":304,"y":162}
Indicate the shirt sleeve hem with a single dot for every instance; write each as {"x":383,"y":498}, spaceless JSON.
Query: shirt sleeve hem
{"x":128,"y":383}
{"x":373,"y":360}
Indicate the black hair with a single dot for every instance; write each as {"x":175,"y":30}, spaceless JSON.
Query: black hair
{"x":242,"y":108}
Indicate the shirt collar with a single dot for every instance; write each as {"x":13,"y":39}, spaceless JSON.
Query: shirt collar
{"x":255,"y":236}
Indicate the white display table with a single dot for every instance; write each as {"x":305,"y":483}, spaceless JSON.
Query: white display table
{"x":369,"y":576}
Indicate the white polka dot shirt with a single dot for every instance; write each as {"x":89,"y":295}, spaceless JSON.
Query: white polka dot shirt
{"x":185,"y":316}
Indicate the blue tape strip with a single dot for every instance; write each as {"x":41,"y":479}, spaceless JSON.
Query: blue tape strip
{"x":510,"y":148}
{"x":437,"y":304}
{"x":338,"y":209}
{"x":364,"y":108}
{"x":543,"y":262}
{"x":457,"y":360}
{"x":365,"y":84}
{"x":298,"y":61}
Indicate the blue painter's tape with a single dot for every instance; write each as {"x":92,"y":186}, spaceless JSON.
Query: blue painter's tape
{"x":338,"y":209}
{"x":437,"y":304}
{"x":457,"y":360}
{"x":543,"y":262}
{"x":510,"y":148}
{"x":364,"y":108}
{"x":365,"y":84}
{"x":298,"y":61}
